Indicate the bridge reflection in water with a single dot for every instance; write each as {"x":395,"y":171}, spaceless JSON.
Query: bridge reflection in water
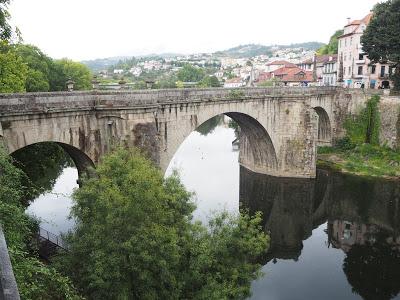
{"x":336,"y":237}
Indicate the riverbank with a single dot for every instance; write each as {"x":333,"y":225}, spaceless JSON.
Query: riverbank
{"x":363,"y":160}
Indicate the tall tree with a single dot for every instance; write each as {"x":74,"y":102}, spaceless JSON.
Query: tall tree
{"x":65,"y":69}
{"x":190,"y":73}
{"x":5,"y":27}
{"x":332,"y":47}
{"x":13,"y":71}
{"x":39,"y":66}
{"x":134,"y":239}
{"x":381,"y":39}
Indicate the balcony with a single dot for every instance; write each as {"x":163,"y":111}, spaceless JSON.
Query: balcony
{"x":360,"y":61}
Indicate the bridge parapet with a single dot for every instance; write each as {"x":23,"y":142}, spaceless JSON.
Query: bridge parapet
{"x":42,"y":102}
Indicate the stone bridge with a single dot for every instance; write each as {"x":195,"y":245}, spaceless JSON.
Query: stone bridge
{"x":280,"y":127}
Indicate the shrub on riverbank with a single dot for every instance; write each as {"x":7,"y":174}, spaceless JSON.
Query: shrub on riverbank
{"x":135,"y":239}
{"x":35,"y":280}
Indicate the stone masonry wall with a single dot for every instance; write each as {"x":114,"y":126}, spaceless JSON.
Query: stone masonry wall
{"x":389,"y":134}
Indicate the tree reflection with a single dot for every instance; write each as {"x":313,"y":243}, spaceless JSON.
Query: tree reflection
{"x":209,"y":126}
{"x":43,"y":163}
{"x":362,"y":215}
{"x":373,"y":270}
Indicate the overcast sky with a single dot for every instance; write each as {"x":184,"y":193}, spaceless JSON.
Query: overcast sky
{"x":88,"y":29}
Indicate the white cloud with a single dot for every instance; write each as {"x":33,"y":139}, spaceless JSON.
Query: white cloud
{"x":86,"y":29}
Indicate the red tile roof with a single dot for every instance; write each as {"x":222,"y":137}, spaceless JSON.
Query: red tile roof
{"x":288,"y":75}
{"x":282,"y":63}
{"x":321,"y":59}
{"x":364,"y":20}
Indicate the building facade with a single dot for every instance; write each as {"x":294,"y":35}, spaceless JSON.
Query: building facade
{"x":355,"y":67}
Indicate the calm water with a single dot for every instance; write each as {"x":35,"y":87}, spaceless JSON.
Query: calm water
{"x":336,"y":237}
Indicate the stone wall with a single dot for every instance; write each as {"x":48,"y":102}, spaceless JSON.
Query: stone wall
{"x":389,"y":134}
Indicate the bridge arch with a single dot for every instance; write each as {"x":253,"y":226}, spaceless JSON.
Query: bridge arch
{"x":82,"y":161}
{"x":257,"y":151}
{"x":324,"y":127}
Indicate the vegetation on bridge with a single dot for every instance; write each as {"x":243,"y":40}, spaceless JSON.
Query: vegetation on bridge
{"x":359,"y":151}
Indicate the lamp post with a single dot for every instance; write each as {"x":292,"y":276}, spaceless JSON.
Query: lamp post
{"x":70,"y":84}
{"x":122,"y":83}
{"x":95,"y":83}
{"x":149,"y":84}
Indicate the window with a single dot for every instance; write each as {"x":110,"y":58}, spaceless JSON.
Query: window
{"x":361,"y":56}
{"x":351,"y":41}
{"x":383,"y":71}
{"x":345,"y":57}
{"x":360,"y":70}
{"x":349,"y":70}
{"x":373,"y":69}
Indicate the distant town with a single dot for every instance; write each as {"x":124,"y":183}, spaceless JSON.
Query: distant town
{"x":341,"y":63}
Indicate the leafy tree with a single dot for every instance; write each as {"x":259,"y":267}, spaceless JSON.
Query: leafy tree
{"x":13,"y":71}
{"x":381,"y":39}
{"x":134,"y":239}
{"x":5,"y":28}
{"x":39,"y":66}
{"x":35,"y":280}
{"x":332,"y":47}
{"x":64,"y":69}
{"x":209,"y":81}
{"x":189,"y":73}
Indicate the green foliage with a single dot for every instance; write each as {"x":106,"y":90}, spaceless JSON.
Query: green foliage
{"x":43,"y":171}
{"x":39,"y":66}
{"x":134,"y":239}
{"x":5,"y":28}
{"x":209,"y":81}
{"x":345,"y":144}
{"x":190,"y":73}
{"x":270,"y":83}
{"x":381,"y":39}
{"x":209,"y":126}
{"x":13,"y":71}
{"x":370,"y":160}
{"x":364,"y":127}
{"x":64,"y":69}
{"x":235,"y":94}
{"x":332,"y":47}
{"x":35,"y":280}
{"x":359,"y":151}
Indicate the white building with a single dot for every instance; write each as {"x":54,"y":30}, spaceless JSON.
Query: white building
{"x":354,"y":63}
{"x":329,"y":73}
{"x":234,"y":83}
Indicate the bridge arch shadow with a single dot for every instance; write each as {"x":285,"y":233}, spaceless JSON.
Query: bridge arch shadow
{"x":324,"y":127}
{"x":81,"y":160}
{"x":257,"y":151}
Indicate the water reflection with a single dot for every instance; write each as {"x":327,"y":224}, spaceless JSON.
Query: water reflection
{"x":335,"y":237}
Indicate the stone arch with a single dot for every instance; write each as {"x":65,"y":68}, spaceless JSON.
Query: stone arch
{"x":82,"y":161}
{"x":324,"y":127}
{"x":257,"y":152}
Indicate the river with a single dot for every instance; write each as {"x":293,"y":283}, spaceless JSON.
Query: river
{"x":335,"y":237}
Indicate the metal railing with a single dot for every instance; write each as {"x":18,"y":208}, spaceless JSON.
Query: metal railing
{"x":54,"y":239}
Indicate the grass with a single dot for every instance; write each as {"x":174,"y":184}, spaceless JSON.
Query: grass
{"x":363,"y":160}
